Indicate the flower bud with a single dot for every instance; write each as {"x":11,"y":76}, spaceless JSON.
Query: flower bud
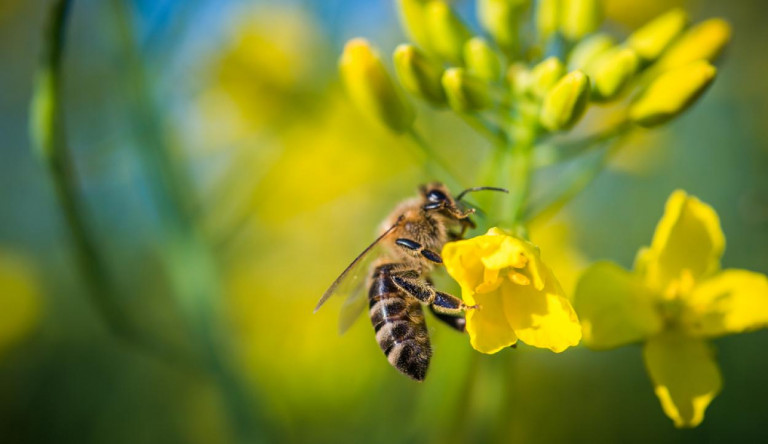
{"x":589,"y":49}
{"x":655,"y":36}
{"x":704,"y":41}
{"x":371,"y":88}
{"x":611,"y":72}
{"x":545,"y":75}
{"x":566,"y":102}
{"x":413,"y":22}
{"x":419,"y":75}
{"x":579,"y":18}
{"x":519,"y":78}
{"x":447,"y":33}
{"x":465,"y":92}
{"x":672,"y":93}
{"x":547,"y":18}
{"x":481,"y":60}
{"x":501,"y":18}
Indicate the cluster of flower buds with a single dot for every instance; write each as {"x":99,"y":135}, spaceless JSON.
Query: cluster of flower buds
{"x":547,"y":59}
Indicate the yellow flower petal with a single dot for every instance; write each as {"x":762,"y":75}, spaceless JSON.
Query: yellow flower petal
{"x":543,"y":319}
{"x":487,"y":326}
{"x":462,"y":262}
{"x":518,"y":295}
{"x":688,"y":240}
{"x":685,"y":376}
{"x":732,"y":301}
{"x":615,"y":307}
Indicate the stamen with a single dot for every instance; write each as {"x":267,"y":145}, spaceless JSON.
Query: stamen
{"x":518,"y":278}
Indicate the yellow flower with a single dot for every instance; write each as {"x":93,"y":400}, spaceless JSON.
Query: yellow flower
{"x":675,"y":300}
{"x":517,"y":294}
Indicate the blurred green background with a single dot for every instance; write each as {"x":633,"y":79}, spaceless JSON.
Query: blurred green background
{"x":285,"y":183}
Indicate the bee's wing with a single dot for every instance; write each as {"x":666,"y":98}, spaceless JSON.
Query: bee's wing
{"x":354,"y":271}
{"x":352,"y":307}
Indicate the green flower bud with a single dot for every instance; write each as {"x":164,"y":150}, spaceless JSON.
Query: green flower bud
{"x":501,"y":18}
{"x":589,"y":49}
{"x":704,"y":41}
{"x":655,"y":36}
{"x":371,"y":88}
{"x":465,"y":92}
{"x":566,"y":102}
{"x":412,"y":20}
{"x":482,"y":61}
{"x":545,"y":75}
{"x":519,"y":78}
{"x":419,"y":75}
{"x":580,"y":17}
{"x":611,"y":72}
{"x":547,"y":18}
{"x":672,"y":93}
{"x":447,"y":33}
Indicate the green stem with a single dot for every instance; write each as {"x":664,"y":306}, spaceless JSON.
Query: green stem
{"x":435,"y":166}
{"x":47,"y":130}
{"x":575,"y":148}
{"x":579,"y":184}
{"x":187,"y":257}
{"x":520,"y":168}
{"x":486,"y":129}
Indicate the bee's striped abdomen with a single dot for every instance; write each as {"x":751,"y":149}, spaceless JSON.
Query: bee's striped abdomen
{"x":401,"y":330}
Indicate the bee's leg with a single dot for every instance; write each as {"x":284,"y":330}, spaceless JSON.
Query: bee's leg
{"x":455,"y":322}
{"x":410,"y":244}
{"x":424,"y":292}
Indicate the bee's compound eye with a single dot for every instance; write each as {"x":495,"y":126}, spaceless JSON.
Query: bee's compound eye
{"x":436,"y":196}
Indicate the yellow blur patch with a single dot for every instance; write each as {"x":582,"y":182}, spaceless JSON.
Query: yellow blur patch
{"x":19,"y":299}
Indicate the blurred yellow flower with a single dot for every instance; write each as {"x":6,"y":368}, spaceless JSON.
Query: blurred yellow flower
{"x":19,"y":299}
{"x":517,"y":294}
{"x":672,"y":93}
{"x":675,"y":300}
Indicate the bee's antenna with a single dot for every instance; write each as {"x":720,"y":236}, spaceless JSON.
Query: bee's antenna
{"x":472,"y":190}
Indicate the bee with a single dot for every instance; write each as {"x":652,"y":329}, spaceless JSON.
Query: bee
{"x":398,"y":279}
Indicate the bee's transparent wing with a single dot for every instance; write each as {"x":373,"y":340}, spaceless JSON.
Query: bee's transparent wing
{"x":350,"y":278}
{"x":353,"y":306}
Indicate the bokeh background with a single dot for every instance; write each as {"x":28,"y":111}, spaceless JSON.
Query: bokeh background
{"x":284,"y":184}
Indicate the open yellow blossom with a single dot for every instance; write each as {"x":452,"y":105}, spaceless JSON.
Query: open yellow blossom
{"x":675,"y":300}
{"x":517,"y":294}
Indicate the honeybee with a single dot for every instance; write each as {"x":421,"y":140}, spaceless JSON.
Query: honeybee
{"x":398,"y":280}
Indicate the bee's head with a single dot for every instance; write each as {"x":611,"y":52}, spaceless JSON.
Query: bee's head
{"x":437,"y":197}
